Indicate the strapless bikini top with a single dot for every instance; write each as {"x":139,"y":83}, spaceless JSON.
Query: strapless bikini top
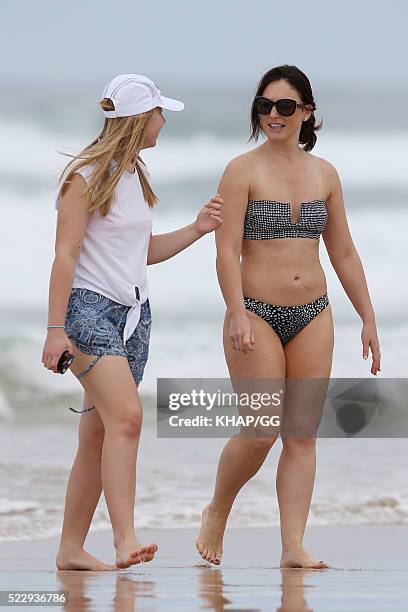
{"x":272,"y":219}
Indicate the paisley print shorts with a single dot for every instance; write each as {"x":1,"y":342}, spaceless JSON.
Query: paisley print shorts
{"x":95,"y":324}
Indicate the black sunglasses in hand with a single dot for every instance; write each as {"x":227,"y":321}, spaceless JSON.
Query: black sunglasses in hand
{"x":64,"y":362}
{"x":285,"y":106}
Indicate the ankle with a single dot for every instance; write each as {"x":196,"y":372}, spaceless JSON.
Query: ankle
{"x":124,"y":541}
{"x":69,"y":547}
{"x":292,"y":547}
{"x":217,"y":510}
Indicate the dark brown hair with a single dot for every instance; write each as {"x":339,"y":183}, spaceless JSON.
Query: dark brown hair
{"x":299,"y":81}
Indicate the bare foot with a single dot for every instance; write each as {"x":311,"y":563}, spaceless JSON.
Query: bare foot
{"x":300,"y":558}
{"x":130,"y":554}
{"x":209,"y":541}
{"x":80,"y":560}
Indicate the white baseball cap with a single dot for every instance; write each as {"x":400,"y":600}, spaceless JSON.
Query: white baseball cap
{"x":133,"y":94}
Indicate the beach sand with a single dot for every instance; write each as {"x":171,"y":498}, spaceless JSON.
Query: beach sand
{"x":370,"y":572}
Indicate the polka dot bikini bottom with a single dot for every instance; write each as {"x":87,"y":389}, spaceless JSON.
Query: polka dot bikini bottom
{"x":287,"y":321}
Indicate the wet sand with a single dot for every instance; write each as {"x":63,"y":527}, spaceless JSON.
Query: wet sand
{"x":370,"y":572}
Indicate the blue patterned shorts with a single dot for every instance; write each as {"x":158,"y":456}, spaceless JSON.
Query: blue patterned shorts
{"x":95,"y":324}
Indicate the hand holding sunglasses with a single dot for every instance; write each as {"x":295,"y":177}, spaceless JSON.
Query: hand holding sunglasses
{"x":285,"y":106}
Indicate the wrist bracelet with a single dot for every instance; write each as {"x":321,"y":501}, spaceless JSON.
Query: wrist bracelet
{"x":49,"y":326}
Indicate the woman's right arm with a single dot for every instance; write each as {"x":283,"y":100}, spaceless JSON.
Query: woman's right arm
{"x":234,"y":189}
{"x":73,"y":217}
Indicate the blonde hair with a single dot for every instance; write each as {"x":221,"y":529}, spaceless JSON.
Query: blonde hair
{"x":119,"y":140}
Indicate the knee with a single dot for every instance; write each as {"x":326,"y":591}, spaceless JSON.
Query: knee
{"x":298,"y":445}
{"x":129,"y":425}
{"x":262,"y":442}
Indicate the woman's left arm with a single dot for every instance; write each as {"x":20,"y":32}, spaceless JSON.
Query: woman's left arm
{"x":348,"y":267}
{"x":165,"y":246}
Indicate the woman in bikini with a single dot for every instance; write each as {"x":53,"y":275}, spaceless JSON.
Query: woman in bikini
{"x":278,"y":200}
{"x":99,"y":309}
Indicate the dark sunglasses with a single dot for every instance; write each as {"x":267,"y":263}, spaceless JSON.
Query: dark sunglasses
{"x":64,"y":362}
{"x":285,"y":107}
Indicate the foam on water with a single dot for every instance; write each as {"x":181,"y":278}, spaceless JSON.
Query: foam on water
{"x":362,"y":158}
{"x":173,"y":489}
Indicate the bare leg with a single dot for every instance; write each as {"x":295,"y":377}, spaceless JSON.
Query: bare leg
{"x":308,"y":355}
{"x":240,"y":460}
{"x":82,"y":496}
{"x":241,"y":457}
{"x":111,"y":385}
{"x":294,"y":485}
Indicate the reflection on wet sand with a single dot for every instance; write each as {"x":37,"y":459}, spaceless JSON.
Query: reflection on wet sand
{"x":190,"y":587}
{"x":93,"y":591}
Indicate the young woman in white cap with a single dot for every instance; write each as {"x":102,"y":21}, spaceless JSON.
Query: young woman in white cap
{"x":99,"y":309}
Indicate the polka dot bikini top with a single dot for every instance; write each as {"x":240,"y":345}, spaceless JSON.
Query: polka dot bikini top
{"x":272,"y":219}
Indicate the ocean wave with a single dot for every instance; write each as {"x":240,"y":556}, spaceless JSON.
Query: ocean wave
{"x":6,"y":411}
{"x":362,"y":158}
{"x":25,"y":520}
{"x":10,"y":507}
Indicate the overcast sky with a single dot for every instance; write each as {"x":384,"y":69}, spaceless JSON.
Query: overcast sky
{"x":211,"y":41}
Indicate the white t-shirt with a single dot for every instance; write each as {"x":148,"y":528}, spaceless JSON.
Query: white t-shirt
{"x":113,"y":257}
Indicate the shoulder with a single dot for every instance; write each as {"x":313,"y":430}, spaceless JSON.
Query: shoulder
{"x":237,"y":176}
{"x":86,"y":171}
{"x":78,"y":182}
{"x":73,"y":187}
{"x":240,"y":167}
{"x":329,"y":174}
{"x":236,"y":180}
{"x":78,"y":176}
{"x":326,"y":167}
{"x":242,"y":162}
